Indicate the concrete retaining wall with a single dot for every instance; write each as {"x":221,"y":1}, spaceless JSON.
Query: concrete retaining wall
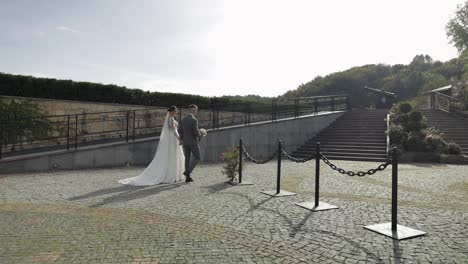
{"x":260,"y":139}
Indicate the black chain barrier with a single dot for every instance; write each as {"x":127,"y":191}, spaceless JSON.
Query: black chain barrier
{"x":247,"y":155}
{"x":297,"y":160}
{"x":381,"y":167}
{"x":319,"y":156}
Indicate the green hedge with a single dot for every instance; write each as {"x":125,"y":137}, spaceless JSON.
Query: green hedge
{"x":28,"y":86}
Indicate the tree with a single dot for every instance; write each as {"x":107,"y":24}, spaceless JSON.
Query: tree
{"x":22,"y":120}
{"x":457,"y":28}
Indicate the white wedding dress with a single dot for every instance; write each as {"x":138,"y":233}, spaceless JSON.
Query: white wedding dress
{"x":167,"y":165}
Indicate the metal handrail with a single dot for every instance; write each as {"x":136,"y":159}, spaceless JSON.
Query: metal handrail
{"x":439,"y":100}
{"x":75,"y":130}
{"x":388,"y":136}
{"x":448,"y":96}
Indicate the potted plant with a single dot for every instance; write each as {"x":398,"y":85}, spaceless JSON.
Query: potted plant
{"x":231,"y":163}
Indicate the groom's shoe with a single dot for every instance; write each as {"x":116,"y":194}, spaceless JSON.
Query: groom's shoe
{"x":187,"y":177}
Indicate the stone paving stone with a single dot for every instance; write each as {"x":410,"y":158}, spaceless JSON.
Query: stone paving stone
{"x":87,"y":217}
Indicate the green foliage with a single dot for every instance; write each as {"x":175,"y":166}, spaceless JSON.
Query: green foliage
{"x":456,"y":28}
{"x":415,"y":143}
{"x":398,"y":135}
{"x":28,"y":86}
{"x":457,"y":106}
{"x":405,"y":107}
{"x":434,"y":141}
{"x":22,"y":120}
{"x":453,"y":149}
{"x":409,"y":132}
{"x":406,"y":81}
{"x":415,"y":126}
{"x":231,"y":163}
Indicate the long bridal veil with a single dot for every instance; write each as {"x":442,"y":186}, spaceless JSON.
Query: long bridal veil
{"x":167,"y":164}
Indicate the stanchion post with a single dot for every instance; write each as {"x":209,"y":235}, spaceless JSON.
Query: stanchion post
{"x":68,"y":132}
{"x":278,"y":175}
{"x":317,"y":205}
{"x":240,"y":160}
{"x":214,"y":116}
{"x":128,"y":123}
{"x":394,"y":188}
{"x":1,"y":138}
{"x":134,"y":123}
{"x":332,"y":104}
{"x":278,"y":192}
{"x":217,"y":118}
{"x":76,"y":131}
{"x":392,"y":229}
{"x":317,"y":173}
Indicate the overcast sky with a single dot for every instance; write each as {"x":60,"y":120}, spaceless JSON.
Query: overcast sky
{"x":216,"y":47}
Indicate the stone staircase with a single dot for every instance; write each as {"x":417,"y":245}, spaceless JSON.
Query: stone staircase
{"x":356,"y":135}
{"x":454,"y":128}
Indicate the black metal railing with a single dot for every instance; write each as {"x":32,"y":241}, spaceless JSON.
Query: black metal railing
{"x":443,"y":102}
{"x":69,"y":132}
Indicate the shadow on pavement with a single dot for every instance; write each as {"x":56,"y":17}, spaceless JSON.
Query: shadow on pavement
{"x":136,"y":193}
{"x":106,"y":191}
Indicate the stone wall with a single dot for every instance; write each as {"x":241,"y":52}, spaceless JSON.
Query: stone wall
{"x":98,"y":121}
{"x":68,"y":107}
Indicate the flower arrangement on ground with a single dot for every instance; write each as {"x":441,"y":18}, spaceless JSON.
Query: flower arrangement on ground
{"x":231,"y":163}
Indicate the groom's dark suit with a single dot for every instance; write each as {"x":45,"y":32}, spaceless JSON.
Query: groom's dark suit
{"x":190,"y":134}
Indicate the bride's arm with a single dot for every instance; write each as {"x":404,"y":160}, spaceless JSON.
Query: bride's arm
{"x":172,"y":126}
{"x":171,"y":122}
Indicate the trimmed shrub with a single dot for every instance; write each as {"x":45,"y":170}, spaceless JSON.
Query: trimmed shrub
{"x":435,"y":143}
{"x":415,"y":126}
{"x":415,"y":116}
{"x":405,"y":107}
{"x":397,"y":135}
{"x":453,"y":149}
{"x":419,"y":134}
{"x":416,"y":144}
{"x":402,"y":119}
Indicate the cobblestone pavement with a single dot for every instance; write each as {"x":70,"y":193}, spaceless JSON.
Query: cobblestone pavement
{"x":87,"y":217}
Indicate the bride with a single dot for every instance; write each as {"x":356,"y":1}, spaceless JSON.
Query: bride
{"x":168,"y":162}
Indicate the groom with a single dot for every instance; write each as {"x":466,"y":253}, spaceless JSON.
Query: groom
{"x":189,"y":135}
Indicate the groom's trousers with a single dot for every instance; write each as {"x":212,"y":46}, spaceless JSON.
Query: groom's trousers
{"x":191,"y":162}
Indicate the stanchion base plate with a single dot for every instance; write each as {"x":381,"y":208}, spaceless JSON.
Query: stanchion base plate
{"x":243,"y":183}
{"x":321,"y":207}
{"x":402,"y":232}
{"x":280,"y":194}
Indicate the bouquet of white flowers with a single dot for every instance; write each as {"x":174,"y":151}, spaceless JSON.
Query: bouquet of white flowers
{"x":203,"y":132}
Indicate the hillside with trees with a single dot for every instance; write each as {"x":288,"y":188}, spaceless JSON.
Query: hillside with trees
{"x":406,"y":81}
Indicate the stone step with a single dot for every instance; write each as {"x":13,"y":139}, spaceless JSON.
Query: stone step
{"x":455,"y":130}
{"x":357,"y":135}
{"x":459,"y":141}
{"x":350,"y":143}
{"x":455,"y":137}
{"x":353,"y":132}
{"x":343,"y":150}
{"x":378,"y":147}
{"x":352,"y":138}
{"x":358,"y":142}
{"x":363,"y":120}
{"x":358,"y":128}
{"x":343,"y":157}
